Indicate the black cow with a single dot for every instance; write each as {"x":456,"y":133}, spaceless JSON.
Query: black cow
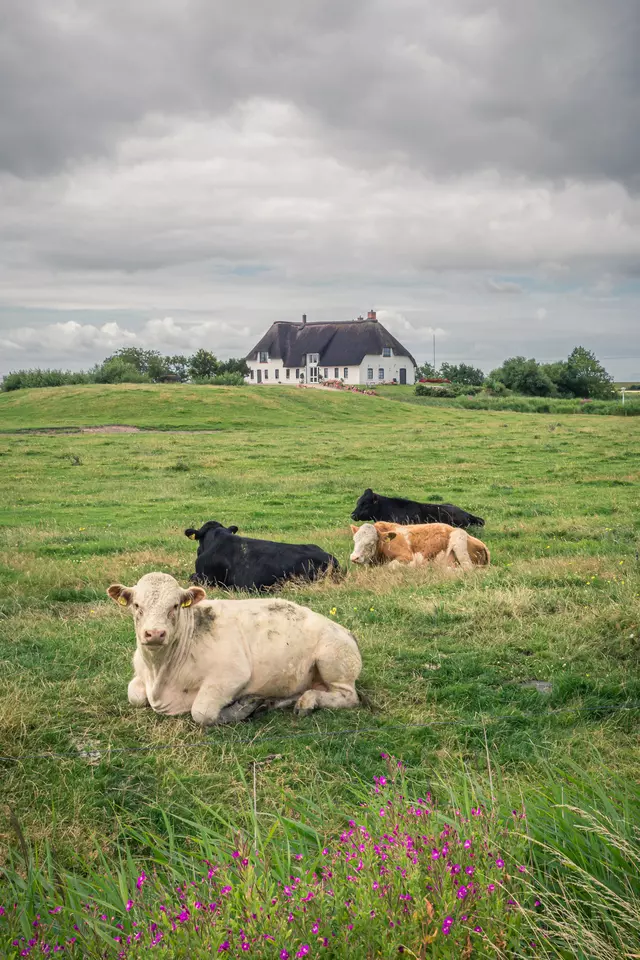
{"x":243,"y":563}
{"x":373,"y":506}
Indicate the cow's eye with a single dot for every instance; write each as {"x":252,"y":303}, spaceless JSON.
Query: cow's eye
{"x":176,"y":606}
{"x":136,"y":606}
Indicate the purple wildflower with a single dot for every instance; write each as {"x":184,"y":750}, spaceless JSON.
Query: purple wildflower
{"x":499,"y":863}
{"x":462,"y":892}
{"x":141,"y":879}
{"x":304,"y":950}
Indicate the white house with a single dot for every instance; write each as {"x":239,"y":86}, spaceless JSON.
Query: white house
{"x":355,"y":351}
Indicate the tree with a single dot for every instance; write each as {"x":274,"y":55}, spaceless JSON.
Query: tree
{"x":136,"y":357}
{"x":462,"y":373}
{"x":179,"y":366}
{"x":238,"y":365}
{"x":202,"y":365}
{"x":116,"y":370}
{"x":584,"y":376}
{"x":524,"y":376}
{"x":427,"y":370}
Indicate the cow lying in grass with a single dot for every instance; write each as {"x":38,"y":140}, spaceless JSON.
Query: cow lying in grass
{"x":416,"y":544}
{"x":202,"y":656}
{"x":245,"y":563}
{"x":373,"y":506}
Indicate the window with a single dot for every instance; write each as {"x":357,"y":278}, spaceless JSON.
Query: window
{"x":277,"y":374}
{"x":313,"y":358}
{"x":369,"y":373}
{"x":264,"y":357}
{"x":346,"y":373}
{"x":380,"y":373}
{"x":297,"y":373}
{"x":288,"y":373}
{"x":326,"y":373}
{"x":251,"y":374}
{"x":266,"y":374}
{"x":386,"y":351}
{"x":336,"y":373}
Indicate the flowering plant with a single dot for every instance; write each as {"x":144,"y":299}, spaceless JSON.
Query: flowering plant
{"x":403,"y":876}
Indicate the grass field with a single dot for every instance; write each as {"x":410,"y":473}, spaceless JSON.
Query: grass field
{"x":559,"y":605}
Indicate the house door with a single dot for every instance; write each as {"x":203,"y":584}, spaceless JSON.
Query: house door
{"x":259,"y":376}
{"x":312,"y":367}
{"x":403,"y":374}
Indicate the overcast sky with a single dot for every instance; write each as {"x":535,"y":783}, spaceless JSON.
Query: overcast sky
{"x":181,"y":173}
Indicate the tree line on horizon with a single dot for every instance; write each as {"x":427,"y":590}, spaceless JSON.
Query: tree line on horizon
{"x":581,"y":375}
{"x":136,"y":365}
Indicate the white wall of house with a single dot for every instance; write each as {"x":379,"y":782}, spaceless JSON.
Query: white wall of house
{"x":390,"y":365}
{"x":273,"y":369}
{"x":276,"y":373}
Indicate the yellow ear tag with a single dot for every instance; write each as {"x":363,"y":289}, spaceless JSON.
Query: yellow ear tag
{"x":192,"y":536}
{"x":186,"y":603}
{"x":122,"y":601}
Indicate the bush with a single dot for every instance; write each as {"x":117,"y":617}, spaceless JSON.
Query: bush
{"x":222,"y":380}
{"x":430,"y":390}
{"x":24,"y":379}
{"x":555,"y":405}
{"x":118,"y":370}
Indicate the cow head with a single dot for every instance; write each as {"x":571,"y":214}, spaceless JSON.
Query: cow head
{"x":158,"y":603}
{"x":206,"y":528}
{"x":366,"y":507}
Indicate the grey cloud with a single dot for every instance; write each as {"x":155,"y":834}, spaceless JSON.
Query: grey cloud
{"x":504,"y":286}
{"x":547,"y":89}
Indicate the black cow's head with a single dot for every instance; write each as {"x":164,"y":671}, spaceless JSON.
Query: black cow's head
{"x":206,"y":528}
{"x":366,"y":507}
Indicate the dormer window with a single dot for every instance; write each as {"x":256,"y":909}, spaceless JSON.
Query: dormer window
{"x":264,"y":357}
{"x":386,"y":351}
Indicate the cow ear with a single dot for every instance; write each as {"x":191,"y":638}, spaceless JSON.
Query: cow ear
{"x":232,"y":529}
{"x":368,"y":492}
{"x":191,"y":533}
{"x":192,"y":596}
{"x":389,"y":536}
{"x":120,"y":594}
{"x":354,"y":529}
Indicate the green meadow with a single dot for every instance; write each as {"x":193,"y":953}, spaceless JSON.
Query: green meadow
{"x":537,"y":653}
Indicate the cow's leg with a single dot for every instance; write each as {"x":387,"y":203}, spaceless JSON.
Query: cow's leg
{"x":217,"y":693}
{"x":459,"y":547}
{"x":137,"y":693}
{"x":248,"y":706}
{"x":338,"y":670}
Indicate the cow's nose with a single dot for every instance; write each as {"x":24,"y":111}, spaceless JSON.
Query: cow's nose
{"x":155,"y":636}
{"x":355,"y":559}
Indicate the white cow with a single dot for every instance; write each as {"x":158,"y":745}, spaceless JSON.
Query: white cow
{"x":197,"y":655}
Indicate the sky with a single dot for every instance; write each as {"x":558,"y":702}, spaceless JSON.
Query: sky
{"x":177,"y":174}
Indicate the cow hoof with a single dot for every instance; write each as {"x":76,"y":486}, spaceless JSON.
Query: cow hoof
{"x":241,"y":709}
{"x":302,"y":711}
{"x":306,"y":704}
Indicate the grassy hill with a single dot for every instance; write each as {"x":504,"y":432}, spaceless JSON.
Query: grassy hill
{"x":560,"y":604}
{"x":183,"y":407}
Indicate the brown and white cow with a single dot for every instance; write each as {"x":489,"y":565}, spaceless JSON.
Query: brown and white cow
{"x":199,"y":656}
{"x":416,"y":544}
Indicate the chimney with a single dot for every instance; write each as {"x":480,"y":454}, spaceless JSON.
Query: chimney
{"x":371,"y":315}
{"x":304,"y":319}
